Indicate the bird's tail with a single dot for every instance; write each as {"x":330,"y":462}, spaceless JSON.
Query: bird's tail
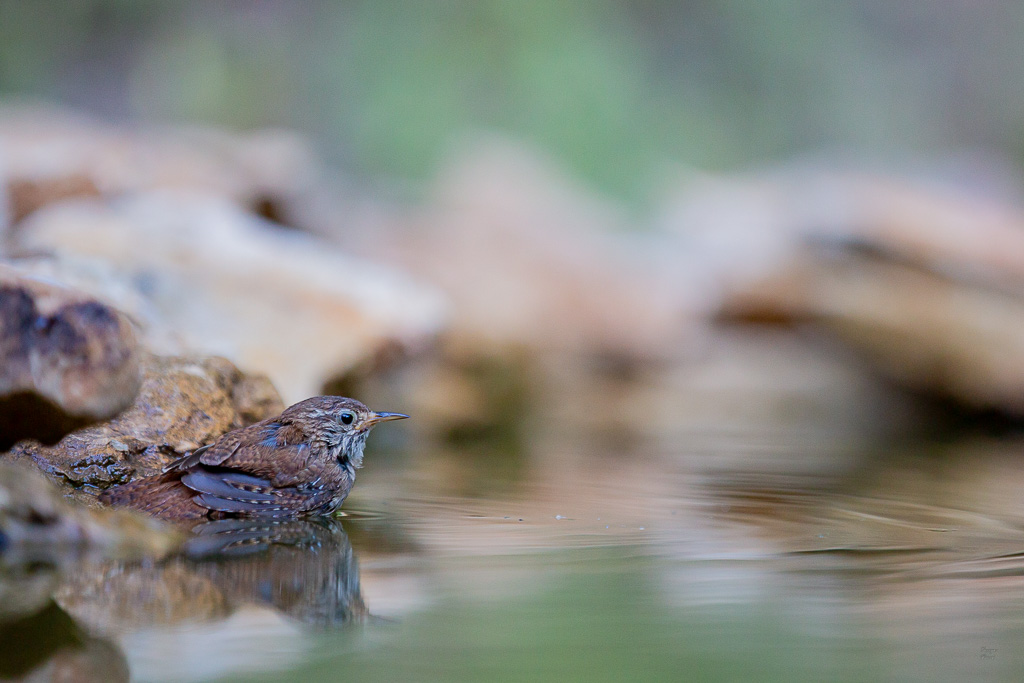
{"x":162,"y":495}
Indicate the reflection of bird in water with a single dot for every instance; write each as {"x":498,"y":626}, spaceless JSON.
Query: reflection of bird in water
{"x":302,"y":462}
{"x":304,"y":569}
{"x":237,"y":537}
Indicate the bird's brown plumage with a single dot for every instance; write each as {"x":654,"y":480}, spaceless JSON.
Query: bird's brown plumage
{"x":301,"y":462}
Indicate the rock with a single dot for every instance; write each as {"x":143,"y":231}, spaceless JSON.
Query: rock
{"x":48,"y":154}
{"x":538,"y":270}
{"x":183,"y":404}
{"x":963,"y":235}
{"x":735,"y":231}
{"x":37,"y":524}
{"x":530,"y":260}
{"x":275,"y":301}
{"x":106,"y":284}
{"x":28,"y":195}
{"x":934,"y":334}
{"x":925,"y":281}
{"x":65,"y":359}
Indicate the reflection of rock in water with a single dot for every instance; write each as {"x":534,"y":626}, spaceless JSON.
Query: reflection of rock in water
{"x":39,"y":527}
{"x":50,"y":646}
{"x":303,"y":569}
{"x":24,"y":589}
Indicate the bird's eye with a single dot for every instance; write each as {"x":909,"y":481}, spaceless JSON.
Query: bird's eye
{"x":347,"y":418}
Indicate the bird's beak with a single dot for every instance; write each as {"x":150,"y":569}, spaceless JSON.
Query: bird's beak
{"x":382,"y":417}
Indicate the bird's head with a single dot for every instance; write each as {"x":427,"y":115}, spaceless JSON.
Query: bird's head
{"x":342,"y":424}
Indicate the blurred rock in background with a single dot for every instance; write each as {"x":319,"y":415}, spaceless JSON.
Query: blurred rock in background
{"x":66,"y":359}
{"x":925,"y":280}
{"x":48,"y":154}
{"x":520,"y":294}
{"x":530,"y":259}
{"x":228,"y":283}
{"x":562,"y":308}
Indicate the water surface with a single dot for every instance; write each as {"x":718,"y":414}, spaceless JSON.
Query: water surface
{"x":572,"y":563}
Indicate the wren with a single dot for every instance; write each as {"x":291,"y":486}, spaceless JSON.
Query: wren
{"x":301,"y":463}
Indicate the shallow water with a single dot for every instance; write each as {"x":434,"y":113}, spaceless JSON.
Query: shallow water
{"x":576,"y":563}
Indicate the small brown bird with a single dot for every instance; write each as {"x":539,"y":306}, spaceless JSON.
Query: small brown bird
{"x":302,"y":462}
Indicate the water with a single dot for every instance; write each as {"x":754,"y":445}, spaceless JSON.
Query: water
{"x":562,"y":562}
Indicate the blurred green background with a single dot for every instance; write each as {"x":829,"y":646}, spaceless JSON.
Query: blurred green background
{"x":613,"y":90}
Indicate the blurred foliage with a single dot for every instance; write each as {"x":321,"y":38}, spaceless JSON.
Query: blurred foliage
{"x":614,"y":89}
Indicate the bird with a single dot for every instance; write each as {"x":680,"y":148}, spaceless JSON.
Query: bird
{"x":301,"y":463}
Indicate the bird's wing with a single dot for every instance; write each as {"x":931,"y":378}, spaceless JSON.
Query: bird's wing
{"x":262,"y":470}
{"x":272,"y":451}
{"x":188,"y":460}
{"x":240,"y":536}
{"x":228,"y":490}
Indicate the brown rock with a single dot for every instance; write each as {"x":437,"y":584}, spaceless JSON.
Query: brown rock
{"x":65,"y":359}
{"x":183,"y":403}
{"x":275,"y":301}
